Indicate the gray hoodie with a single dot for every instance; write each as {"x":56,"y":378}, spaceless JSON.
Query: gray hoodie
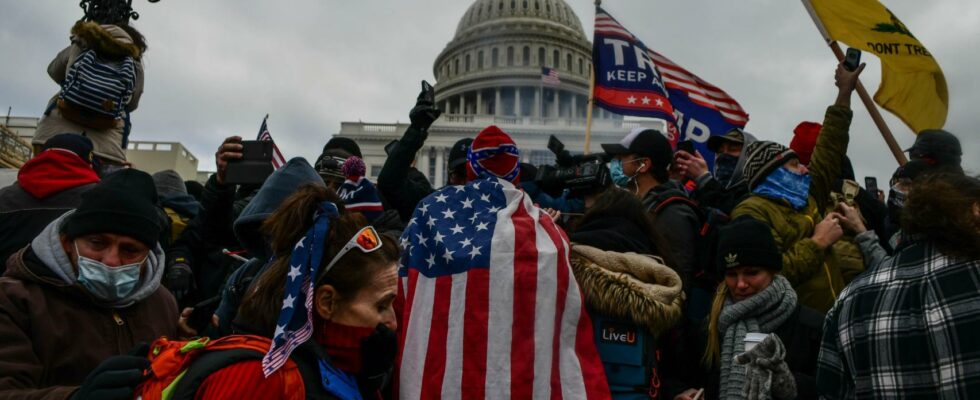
{"x":47,"y":247}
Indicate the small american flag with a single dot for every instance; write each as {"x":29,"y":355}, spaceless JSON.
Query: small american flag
{"x":491,"y":308}
{"x":549,"y":76}
{"x":277,"y":159}
{"x":295,"y":324}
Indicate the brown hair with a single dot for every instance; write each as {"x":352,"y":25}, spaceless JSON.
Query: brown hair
{"x":353,"y":272}
{"x":712,"y":352}
{"x":616,"y":202}
{"x":939,"y":209}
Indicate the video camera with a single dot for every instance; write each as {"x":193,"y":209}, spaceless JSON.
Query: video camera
{"x":579,"y":174}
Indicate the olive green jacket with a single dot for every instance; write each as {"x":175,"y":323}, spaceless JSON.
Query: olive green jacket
{"x":814,"y":273}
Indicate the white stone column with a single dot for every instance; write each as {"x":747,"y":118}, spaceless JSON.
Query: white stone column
{"x":574,"y":110}
{"x":498,"y":110}
{"x":517,"y":101}
{"x":462,"y":104}
{"x":422,"y":163}
{"x":537,"y":102}
{"x":479,"y":102}
{"x":557,"y":110}
{"x":440,"y":168}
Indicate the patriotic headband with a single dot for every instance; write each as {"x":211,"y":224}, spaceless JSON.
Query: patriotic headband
{"x":475,"y":157}
{"x":295,"y":325}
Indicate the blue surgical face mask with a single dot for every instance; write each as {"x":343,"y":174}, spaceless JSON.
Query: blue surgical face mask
{"x":725,"y":167}
{"x":105,"y":282}
{"x":783,"y":184}
{"x":618,"y":176}
{"x":616,"y":172}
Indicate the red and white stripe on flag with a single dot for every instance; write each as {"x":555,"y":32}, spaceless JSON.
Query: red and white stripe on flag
{"x":699,"y":91}
{"x":549,"y":76}
{"x":277,"y":159}
{"x":517,"y":329}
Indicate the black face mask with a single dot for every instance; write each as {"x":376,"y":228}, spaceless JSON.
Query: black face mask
{"x":725,"y":167}
{"x":377,"y":359}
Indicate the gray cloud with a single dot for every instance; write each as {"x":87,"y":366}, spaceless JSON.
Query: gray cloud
{"x":215,"y":68}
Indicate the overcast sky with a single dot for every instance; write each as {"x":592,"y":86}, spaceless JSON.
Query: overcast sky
{"x":215,"y":68}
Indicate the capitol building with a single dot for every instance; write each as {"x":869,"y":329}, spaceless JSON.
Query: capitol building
{"x":490,"y":73}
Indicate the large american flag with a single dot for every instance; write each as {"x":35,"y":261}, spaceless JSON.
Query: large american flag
{"x":549,"y":76}
{"x":277,"y":159}
{"x":491,"y":308}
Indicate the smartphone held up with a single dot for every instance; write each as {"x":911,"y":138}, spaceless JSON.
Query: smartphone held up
{"x":852,"y":60}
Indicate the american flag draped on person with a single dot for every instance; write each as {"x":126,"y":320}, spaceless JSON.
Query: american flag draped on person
{"x":491,"y":308}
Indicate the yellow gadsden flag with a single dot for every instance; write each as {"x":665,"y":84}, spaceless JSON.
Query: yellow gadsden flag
{"x":912,"y":84}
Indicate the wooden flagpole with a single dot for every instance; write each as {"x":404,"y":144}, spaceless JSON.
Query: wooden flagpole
{"x":869,"y":103}
{"x":588,"y":112}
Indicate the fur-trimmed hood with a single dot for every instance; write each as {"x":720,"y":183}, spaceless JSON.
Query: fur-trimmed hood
{"x":629,"y":286}
{"x":107,"y":40}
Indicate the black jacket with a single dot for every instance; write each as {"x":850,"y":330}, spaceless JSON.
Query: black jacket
{"x":200,"y":245}
{"x":712,"y":193}
{"x":23,"y":217}
{"x":800,"y":334}
{"x":401,"y":185}
{"x":678,"y":224}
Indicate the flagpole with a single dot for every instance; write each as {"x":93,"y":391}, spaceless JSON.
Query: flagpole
{"x":588,"y":112}
{"x":869,"y":103}
{"x":591,"y":102}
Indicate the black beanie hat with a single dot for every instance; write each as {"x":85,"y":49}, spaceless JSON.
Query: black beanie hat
{"x":747,"y":242}
{"x":345,"y":144}
{"x":123,"y":203}
{"x":78,"y":144}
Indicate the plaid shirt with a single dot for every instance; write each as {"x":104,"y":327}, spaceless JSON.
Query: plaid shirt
{"x":909,"y":329}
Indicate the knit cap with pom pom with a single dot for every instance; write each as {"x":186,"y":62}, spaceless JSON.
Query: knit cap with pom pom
{"x":353,"y":168}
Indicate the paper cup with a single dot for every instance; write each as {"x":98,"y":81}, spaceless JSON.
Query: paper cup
{"x":752,"y":339}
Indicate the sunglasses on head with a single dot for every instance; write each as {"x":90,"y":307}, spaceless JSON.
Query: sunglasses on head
{"x":366,"y":239}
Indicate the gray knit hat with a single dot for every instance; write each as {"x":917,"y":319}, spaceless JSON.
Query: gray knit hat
{"x":169,"y":183}
{"x":763,"y":157}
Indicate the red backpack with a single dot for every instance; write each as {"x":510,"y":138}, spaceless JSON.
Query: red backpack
{"x":178,"y":368}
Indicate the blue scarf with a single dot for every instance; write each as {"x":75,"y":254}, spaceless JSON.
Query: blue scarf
{"x":783,"y":184}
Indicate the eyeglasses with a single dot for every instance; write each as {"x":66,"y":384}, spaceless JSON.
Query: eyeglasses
{"x":366,"y":239}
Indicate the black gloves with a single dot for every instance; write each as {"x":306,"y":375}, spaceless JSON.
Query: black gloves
{"x":377,"y":359}
{"x":116,"y":378}
{"x":425,"y":112}
{"x":179,"y":279}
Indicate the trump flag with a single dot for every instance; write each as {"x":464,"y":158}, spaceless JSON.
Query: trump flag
{"x":491,"y":309}
{"x":631,"y":79}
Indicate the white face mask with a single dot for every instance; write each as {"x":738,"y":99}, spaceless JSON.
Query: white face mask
{"x":105,"y":282}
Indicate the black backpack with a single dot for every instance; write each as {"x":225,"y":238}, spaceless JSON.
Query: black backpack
{"x":706,"y":278}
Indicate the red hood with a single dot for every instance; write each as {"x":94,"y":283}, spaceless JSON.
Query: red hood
{"x":55,"y":170}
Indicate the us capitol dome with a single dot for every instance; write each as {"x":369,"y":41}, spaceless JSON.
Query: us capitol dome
{"x":490,"y":73}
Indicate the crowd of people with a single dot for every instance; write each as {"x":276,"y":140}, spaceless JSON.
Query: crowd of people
{"x":771,"y":275}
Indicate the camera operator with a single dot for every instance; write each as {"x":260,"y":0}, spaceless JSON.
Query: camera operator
{"x":565,"y":202}
{"x":640,"y":164}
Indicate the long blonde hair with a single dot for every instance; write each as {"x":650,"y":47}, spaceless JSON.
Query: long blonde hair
{"x":712,"y":352}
